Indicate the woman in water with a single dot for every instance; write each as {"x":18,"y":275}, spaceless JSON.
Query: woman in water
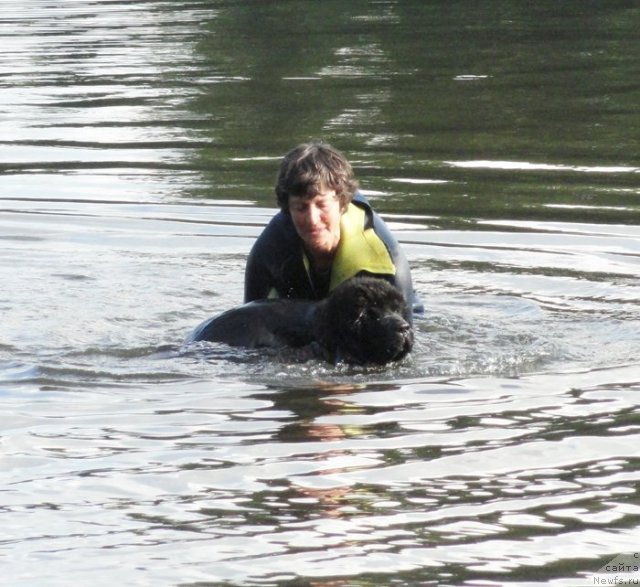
{"x":325,"y":232}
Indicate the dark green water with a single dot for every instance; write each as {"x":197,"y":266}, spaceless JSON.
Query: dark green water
{"x":521,"y":110}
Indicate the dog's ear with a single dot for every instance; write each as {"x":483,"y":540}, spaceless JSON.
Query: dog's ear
{"x":324,"y":329}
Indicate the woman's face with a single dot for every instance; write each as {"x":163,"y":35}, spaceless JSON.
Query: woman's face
{"x":317,"y":222}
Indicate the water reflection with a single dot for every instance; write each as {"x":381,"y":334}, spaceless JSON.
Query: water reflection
{"x":211,"y":96}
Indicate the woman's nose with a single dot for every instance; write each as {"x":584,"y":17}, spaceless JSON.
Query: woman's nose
{"x":313,"y":216}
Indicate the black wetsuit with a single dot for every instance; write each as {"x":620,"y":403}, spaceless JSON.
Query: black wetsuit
{"x":278,"y":266}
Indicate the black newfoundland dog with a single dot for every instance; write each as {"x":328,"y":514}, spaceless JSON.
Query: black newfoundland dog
{"x":363,"y":321}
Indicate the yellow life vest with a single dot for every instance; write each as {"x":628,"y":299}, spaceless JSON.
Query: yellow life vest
{"x":360,"y":249}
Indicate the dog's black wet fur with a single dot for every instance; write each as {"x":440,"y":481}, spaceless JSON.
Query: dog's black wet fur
{"x":363,"y":321}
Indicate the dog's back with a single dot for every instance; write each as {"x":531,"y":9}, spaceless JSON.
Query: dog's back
{"x":267,"y":323}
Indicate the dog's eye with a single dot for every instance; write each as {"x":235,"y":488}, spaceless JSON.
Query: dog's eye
{"x":360,"y":317}
{"x":366,"y":316}
{"x":373,"y":315}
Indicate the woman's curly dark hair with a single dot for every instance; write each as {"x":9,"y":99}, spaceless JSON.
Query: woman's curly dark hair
{"x":310,"y":168}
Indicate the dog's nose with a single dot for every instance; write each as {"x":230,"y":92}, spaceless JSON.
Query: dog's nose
{"x":396,"y":322}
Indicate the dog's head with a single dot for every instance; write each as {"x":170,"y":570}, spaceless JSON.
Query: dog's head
{"x":363,"y":321}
